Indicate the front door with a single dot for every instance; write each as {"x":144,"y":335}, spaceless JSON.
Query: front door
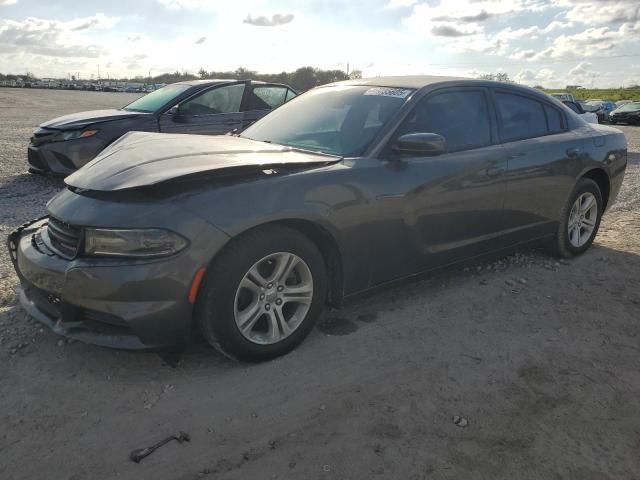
{"x":215,"y":111}
{"x":449,"y":207}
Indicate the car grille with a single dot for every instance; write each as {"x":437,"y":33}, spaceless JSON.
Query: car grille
{"x":64,"y":238}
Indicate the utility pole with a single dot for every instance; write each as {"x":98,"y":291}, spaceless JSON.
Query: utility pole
{"x":98,"y":73}
{"x":347,"y":69}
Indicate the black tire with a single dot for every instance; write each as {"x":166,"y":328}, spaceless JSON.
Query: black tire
{"x":214,"y":310}
{"x":562,"y":247}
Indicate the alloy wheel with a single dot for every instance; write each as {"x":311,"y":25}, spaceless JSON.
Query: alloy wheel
{"x":273,"y":298}
{"x":582,"y":219}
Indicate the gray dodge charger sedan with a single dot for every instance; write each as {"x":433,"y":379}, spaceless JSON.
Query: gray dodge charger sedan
{"x":207,"y":107}
{"x":345,"y":188}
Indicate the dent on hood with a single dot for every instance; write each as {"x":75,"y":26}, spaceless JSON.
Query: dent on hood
{"x":141,"y":159}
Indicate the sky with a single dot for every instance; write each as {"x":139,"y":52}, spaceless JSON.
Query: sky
{"x":593,"y":43}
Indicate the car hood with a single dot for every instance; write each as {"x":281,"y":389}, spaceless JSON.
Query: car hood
{"x":82,"y":119}
{"x":624,"y":113}
{"x":139,"y":159}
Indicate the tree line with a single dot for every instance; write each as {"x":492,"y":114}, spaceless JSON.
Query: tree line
{"x":302,"y":79}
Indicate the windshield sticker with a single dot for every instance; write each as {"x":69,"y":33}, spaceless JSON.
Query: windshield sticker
{"x":388,"y":92}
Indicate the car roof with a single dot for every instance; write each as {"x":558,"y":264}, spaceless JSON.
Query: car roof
{"x":410,"y":81}
{"x":423,"y":81}
{"x":217,"y":81}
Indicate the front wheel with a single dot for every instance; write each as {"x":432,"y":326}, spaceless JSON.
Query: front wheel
{"x":580,"y":219}
{"x":262,"y":296}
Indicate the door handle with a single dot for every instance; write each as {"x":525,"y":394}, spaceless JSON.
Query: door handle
{"x":495,"y":171}
{"x":513,"y":156}
{"x":573,"y":152}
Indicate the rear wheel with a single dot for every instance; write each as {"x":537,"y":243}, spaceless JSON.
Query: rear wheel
{"x":580,"y":219}
{"x":262,"y":296}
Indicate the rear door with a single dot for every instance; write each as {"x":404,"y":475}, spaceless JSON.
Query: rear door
{"x":543,"y":157}
{"x":261,"y":99}
{"x":215,"y":111}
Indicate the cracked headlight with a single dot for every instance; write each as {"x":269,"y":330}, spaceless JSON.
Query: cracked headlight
{"x":140,"y":243}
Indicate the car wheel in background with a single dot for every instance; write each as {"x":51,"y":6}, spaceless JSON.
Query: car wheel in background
{"x":580,"y":219}
{"x":261,"y":297}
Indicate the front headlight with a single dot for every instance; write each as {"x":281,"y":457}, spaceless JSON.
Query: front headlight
{"x":152,"y":242}
{"x":63,"y":135}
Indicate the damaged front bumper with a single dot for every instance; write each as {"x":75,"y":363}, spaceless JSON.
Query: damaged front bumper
{"x":63,"y":158}
{"x":111,"y":303}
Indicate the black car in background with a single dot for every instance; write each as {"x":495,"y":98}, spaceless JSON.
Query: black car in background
{"x":208,"y":107}
{"x":627,"y":113}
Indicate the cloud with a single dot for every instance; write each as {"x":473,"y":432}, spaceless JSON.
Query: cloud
{"x":48,"y":37}
{"x":592,"y":41}
{"x":447,"y":21}
{"x":478,"y":17}
{"x":97,"y":21}
{"x":201,"y":40}
{"x":602,"y":11}
{"x":448,"y":31}
{"x":545,"y":77}
{"x":274,"y":21}
{"x":7,"y":2}
{"x":582,"y":68}
{"x":185,"y":4}
{"x":524,"y":54}
{"x":134,"y":62}
{"x":400,"y":4}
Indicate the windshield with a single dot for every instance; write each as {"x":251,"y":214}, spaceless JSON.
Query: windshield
{"x":153,"y":101}
{"x":630,"y":107}
{"x":339,"y":120}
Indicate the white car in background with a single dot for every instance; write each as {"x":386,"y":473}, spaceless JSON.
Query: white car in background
{"x":564,"y":97}
{"x":589,"y":117}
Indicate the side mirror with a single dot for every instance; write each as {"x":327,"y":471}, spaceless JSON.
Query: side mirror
{"x":425,"y":144}
{"x":174,"y":110}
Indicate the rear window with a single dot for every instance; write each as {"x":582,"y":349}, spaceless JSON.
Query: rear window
{"x":523,"y":117}
{"x":268,"y":97}
{"x":554,"y":119}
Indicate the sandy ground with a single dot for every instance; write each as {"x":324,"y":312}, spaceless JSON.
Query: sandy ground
{"x":539,"y":358}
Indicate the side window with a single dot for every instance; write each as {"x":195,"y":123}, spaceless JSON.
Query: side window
{"x":555,"y":121}
{"x":266,"y":98}
{"x":572,"y":106}
{"x":461,"y":117}
{"x":224,"y":99}
{"x":523,"y":117}
{"x":290,"y":94}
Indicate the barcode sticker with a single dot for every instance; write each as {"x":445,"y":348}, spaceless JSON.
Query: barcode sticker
{"x":388,"y":92}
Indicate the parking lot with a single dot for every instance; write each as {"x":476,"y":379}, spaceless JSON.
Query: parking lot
{"x":536,"y":359}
